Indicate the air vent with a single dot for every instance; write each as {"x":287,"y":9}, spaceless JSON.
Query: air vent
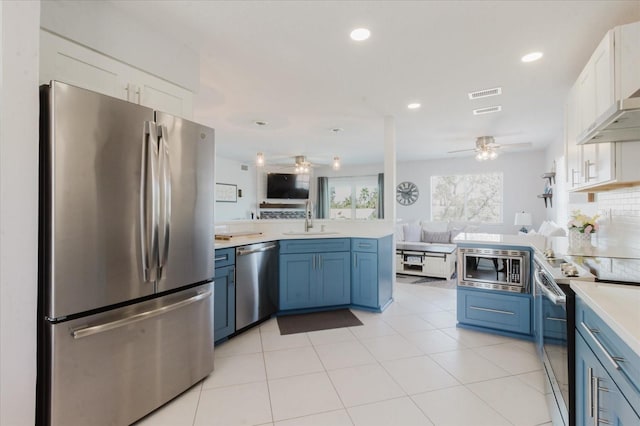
{"x":244,"y":167}
{"x":487,"y":110}
{"x":485,"y":93}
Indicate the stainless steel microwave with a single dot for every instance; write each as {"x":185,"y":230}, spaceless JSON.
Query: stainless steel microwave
{"x":494,"y":269}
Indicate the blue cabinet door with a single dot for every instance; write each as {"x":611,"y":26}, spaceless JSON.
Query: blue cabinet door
{"x":334,"y":278}
{"x":224,"y":299}
{"x":298,"y":277}
{"x":364,"y":279}
{"x":598,"y":398}
{"x":495,"y":310}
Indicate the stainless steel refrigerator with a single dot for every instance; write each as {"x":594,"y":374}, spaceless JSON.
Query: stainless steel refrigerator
{"x":126,"y":257}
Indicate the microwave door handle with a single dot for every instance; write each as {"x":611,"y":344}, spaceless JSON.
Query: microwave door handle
{"x":148,"y":204}
{"x":164,"y":178}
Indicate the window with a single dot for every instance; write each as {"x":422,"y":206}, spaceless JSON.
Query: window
{"x":353,"y":197}
{"x":467,"y":197}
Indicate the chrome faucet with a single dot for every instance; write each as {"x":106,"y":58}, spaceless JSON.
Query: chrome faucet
{"x":308,"y":220}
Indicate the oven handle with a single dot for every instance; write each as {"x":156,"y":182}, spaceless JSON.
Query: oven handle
{"x":555,"y":299}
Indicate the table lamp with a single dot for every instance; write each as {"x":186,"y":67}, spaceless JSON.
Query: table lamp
{"x":523,"y":219}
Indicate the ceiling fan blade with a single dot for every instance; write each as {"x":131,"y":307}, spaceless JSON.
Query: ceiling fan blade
{"x":461,"y":150}
{"x":515,"y":145}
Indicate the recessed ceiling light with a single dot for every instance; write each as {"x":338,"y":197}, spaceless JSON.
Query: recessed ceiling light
{"x":337,"y":129}
{"x":414,"y":105}
{"x":260,"y":123}
{"x":530,"y":57}
{"x":360,"y":34}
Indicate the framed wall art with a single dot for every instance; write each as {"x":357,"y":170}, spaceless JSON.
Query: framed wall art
{"x":226,"y":193}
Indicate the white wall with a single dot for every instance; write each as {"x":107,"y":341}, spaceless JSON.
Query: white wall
{"x":522,"y":184}
{"x":230,"y":171}
{"x":19,"y":22}
{"x":100,"y":25}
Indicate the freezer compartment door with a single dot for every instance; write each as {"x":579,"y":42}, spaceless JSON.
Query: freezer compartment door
{"x":186,"y":232}
{"x":115,"y":367}
{"x":91,"y":180}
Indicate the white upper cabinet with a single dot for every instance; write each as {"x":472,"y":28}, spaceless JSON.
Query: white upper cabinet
{"x":573,"y":151}
{"x":611,"y":76}
{"x":66,"y":61}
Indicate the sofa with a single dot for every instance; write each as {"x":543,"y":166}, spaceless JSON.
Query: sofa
{"x":425,"y":248}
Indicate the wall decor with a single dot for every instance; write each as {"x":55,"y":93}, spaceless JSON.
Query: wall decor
{"x":407,"y":193}
{"x":226,"y":193}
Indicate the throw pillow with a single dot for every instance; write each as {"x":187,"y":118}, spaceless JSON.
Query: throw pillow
{"x":411,"y":232}
{"x":436,"y":237}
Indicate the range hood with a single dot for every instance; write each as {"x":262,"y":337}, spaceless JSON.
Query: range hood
{"x":619,"y":123}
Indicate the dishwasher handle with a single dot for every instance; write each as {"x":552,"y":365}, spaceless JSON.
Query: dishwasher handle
{"x":242,"y":252}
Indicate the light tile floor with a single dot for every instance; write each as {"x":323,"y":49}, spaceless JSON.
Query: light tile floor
{"x":407,"y":366}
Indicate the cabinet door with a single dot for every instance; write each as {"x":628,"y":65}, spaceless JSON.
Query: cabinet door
{"x":573,"y":151}
{"x":493,"y":309}
{"x":598,"y":398}
{"x":602,"y":66}
{"x":160,"y":94}
{"x":364,"y":279}
{"x":334,"y":278}
{"x":71,"y":63}
{"x":224,"y":307}
{"x":586,"y":99}
{"x":298,"y":281}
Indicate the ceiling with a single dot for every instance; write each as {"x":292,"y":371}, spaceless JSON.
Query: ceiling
{"x":293,"y":65}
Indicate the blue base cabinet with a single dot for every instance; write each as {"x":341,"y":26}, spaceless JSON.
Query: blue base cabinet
{"x":497,"y":310}
{"x":371,"y":279}
{"x":607,"y":373}
{"x":598,"y":398}
{"x":224,"y":296}
{"x":314,"y":273}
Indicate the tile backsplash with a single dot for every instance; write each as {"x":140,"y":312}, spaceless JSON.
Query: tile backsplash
{"x":620,"y":215}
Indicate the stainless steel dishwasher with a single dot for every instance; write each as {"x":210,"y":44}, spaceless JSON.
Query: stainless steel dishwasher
{"x":256,"y":282}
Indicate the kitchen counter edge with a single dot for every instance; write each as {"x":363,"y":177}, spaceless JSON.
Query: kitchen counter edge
{"x":241,"y":241}
{"x":617,"y":305}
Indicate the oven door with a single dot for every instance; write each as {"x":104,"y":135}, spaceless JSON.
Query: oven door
{"x":553,"y":345}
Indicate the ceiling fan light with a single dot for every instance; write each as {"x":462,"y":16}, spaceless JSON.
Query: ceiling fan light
{"x":360,"y":34}
{"x":336,"y":163}
{"x":260,"y":159}
{"x":479,"y":156}
{"x":493,"y":155}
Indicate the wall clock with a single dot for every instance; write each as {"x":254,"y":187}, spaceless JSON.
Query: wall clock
{"x":407,"y":193}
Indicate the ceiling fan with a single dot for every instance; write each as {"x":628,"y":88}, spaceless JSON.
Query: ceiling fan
{"x":487,"y":149}
{"x":301,"y":163}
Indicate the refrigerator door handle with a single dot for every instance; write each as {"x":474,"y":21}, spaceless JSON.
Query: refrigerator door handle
{"x":148,"y":202}
{"x":85,"y":331}
{"x":165,"y":198}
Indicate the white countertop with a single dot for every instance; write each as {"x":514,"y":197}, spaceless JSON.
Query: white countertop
{"x":241,"y":241}
{"x":617,"y":305}
{"x":533,"y":241}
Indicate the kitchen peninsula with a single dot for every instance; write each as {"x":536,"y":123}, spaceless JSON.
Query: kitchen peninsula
{"x":316,"y":271}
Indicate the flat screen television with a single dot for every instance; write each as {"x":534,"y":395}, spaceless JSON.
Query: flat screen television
{"x":287,"y":185}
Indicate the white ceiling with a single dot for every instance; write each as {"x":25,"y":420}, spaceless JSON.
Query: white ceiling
{"x":292,"y":63}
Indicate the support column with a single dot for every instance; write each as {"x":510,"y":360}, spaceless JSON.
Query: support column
{"x":390,"y":169}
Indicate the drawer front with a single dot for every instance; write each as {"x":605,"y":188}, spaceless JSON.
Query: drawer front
{"x":315,"y":245}
{"x":225,"y":257}
{"x":622,"y":363}
{"x":495,"y":310}
{"x":364,"y":244}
